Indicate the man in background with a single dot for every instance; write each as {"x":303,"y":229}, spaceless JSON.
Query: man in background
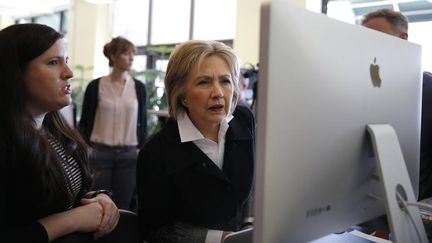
{"x":396,"y":24}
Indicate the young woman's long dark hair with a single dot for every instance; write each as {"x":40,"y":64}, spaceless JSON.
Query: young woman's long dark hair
{"x":26,"y":148}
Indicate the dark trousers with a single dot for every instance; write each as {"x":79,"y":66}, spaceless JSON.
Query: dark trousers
{"x":115,"y":169}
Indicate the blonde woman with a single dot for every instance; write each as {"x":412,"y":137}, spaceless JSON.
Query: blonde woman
{"x":195,"y":176}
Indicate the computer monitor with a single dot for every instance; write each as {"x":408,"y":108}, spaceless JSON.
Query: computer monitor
{"x":321,"y":82}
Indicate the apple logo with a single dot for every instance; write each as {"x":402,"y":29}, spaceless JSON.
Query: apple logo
{"x":374,"y":73}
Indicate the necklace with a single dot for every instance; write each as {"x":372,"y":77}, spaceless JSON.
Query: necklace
{"x":118,"y":86}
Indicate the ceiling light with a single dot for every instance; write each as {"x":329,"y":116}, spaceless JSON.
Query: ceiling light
{"x":99,"y":1}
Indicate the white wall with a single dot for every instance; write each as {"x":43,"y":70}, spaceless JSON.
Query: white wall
{"x":89,"y":29}
{"x":5,"y":21}
{"x":246,"y":42}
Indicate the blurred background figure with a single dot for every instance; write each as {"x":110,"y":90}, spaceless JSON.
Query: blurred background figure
{"x":114,"y":122}
{"x":243,"y":87}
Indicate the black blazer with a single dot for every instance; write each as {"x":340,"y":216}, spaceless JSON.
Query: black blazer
{"x":182,"y":193}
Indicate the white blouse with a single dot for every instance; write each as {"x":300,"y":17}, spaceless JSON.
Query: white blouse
{"x":116,"y":115}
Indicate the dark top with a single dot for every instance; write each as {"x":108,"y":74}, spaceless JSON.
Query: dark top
{"x":425,"y":190}
{"x":90,"y":103}
{"x":182,"y":193}
{"x":71,"y":170}
{"x":22,"y":202}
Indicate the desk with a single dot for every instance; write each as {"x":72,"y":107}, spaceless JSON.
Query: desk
{"x":341,"y":238}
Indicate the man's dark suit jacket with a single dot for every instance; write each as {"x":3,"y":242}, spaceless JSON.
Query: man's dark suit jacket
{"x":425,"y":190}
{"x":182,"y":193}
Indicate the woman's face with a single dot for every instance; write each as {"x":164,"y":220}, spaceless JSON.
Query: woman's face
{"x":209,"y":92}
{"x":124,"y":60}
{"x":46,"y":80}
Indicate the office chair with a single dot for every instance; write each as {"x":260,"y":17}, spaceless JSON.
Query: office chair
{"x":127,"y":231}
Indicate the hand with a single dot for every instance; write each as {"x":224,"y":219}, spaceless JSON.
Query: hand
{"x":110,"y":216}
{"x":224,"y":235}
{"x":88,"y":216}
{"x":85,"y":218}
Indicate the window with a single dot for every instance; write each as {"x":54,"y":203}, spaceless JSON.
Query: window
{"x":418,"y":13}
{"x":419,"y":33}
{"x":170,"y":21}
{"x":139,"y":63}
{"x":52,"y":20}
{"x":131,"y":20}
{"x":57,"y":20}
{"x":214,"y":19}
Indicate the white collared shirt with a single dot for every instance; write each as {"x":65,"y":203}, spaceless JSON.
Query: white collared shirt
{"x":189,"y":133}
{"x":215,"y":151}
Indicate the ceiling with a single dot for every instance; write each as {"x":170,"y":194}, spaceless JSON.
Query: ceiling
{"x":25,"y":8}
{"x":415,"y":10}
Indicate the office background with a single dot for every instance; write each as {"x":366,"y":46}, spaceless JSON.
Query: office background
{"x":156,"y":26}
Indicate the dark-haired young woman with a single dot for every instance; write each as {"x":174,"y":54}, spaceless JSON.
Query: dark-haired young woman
{"x":43,"y":164}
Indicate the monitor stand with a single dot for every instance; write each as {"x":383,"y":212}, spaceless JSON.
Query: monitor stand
{"x":394,"y":177}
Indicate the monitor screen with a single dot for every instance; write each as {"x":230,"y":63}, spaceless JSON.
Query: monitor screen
{"x":321,"y":82}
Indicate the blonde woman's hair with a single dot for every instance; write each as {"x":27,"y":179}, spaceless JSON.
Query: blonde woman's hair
{"x":186,"y":58}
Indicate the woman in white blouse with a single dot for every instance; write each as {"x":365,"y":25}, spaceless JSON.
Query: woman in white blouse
{"x":114,"y":123}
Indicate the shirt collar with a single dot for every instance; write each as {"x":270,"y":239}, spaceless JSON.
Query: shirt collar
{"x":188,"y":131}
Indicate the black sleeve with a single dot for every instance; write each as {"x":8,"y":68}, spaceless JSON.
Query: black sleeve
{"x":155,"y":201}
{"x":246,"y":116}
{"x":178,"y":232}
{"x":425,"y":190}
{"x":85,"y":124}
{"x":153,"y":189}
{"x":142,"y":113}
{"x":31,"y":232}
{"x":248,"y":210}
